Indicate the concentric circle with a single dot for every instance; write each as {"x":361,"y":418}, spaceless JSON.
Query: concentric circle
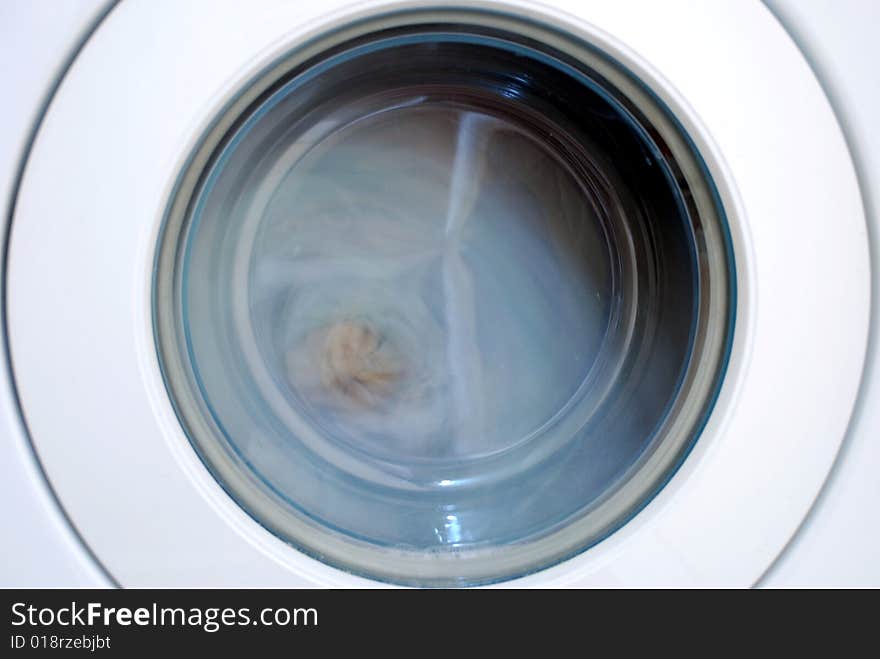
{"x":81,"y":280}
{"x":441,"y":303}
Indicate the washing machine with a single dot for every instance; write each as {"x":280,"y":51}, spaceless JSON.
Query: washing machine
{"x":397,"y":292}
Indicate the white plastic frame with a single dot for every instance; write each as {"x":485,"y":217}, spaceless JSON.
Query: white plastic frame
{"x":140,"y":95}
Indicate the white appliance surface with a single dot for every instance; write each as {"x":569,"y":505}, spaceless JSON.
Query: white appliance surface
{"x":837,"y":544}
{"x":40,"y":548}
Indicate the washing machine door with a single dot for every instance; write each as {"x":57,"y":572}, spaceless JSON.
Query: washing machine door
{"x":319,"y":294}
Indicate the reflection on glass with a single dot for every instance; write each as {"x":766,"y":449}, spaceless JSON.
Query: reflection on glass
{"x":439,"y":293}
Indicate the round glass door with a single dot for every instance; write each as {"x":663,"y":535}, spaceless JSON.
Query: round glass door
{"x":444,"y":305}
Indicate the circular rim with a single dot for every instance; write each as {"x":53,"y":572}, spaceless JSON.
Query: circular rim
{"x":667,"y":542}
{"x":672,"y":439}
